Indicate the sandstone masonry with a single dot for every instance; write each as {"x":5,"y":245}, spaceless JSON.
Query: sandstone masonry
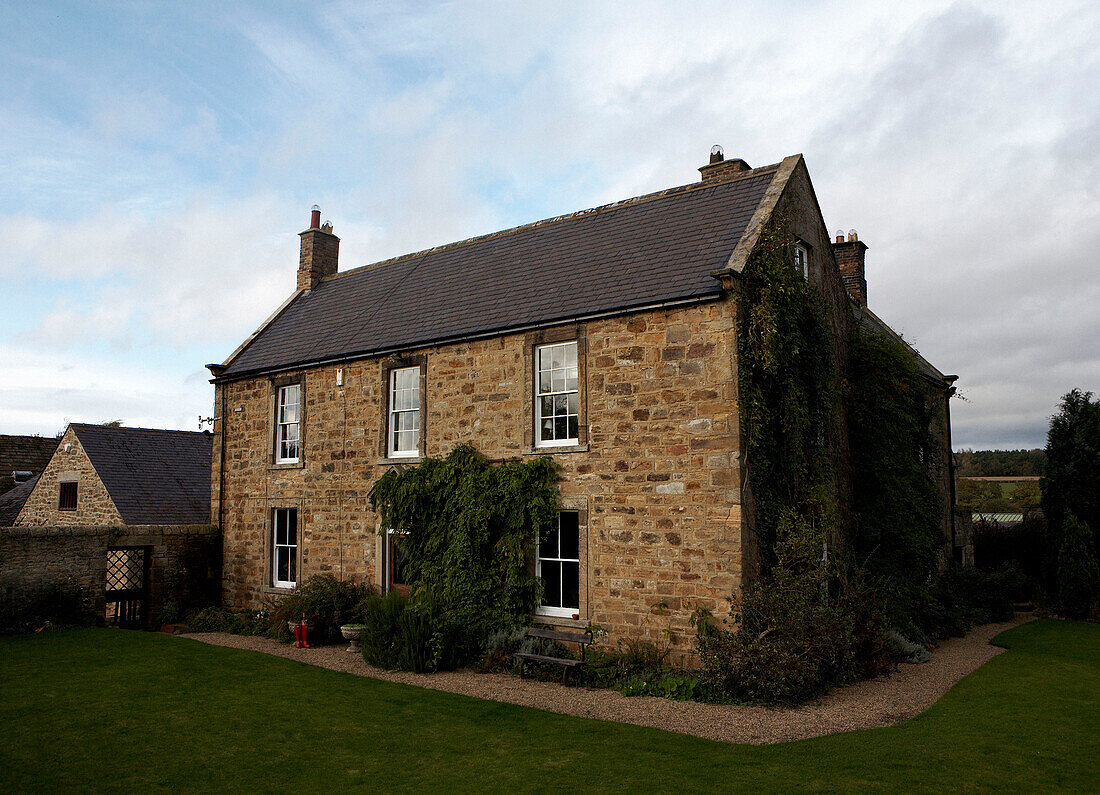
{"x":657,"y":476}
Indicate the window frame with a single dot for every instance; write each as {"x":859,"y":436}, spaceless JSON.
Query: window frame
{"x":388,"y":365}
{"x":537,"y":369}
{"x":564,"y":612}
{"x":294,"y":561}
{"x":802,"y":263}
{"x":61,"y":506}
{"x":392,"y":413}
{"x":389,"y":556}
{"x":277,"y":386}
{"x":531,"y":340}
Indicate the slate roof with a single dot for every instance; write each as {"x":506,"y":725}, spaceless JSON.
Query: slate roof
{"x":11,"y":501}
{"x":153,"y":476}
{"x":650,"y":250}
{"x":23,"y":453}
{"x":873,"y":324}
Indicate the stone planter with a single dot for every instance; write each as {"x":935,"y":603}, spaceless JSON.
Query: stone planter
{"x":352,"y":633}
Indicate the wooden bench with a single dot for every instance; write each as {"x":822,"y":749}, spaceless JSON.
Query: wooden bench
{"x":582,"y":639}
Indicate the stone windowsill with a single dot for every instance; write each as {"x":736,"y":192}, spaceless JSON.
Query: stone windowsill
{"x":300,"y":464}
{"x":389,"y":462}
{"x":273,"y":590}
{"x":573,"y":448}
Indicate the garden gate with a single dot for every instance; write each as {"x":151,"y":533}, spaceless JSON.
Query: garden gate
{"x":128,"y":587}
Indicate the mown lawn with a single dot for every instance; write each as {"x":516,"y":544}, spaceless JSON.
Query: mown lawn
{"x":98,"y":710}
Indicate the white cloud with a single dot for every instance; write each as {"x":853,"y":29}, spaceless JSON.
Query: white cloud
{"x":959,"y":138}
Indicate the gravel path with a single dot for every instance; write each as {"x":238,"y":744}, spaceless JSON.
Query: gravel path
{"x":874,"y":703}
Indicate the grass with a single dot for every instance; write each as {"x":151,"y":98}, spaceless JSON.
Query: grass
{"x":102,"y":710}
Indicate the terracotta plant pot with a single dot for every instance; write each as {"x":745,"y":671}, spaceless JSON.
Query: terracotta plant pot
{"x":352,"y":633}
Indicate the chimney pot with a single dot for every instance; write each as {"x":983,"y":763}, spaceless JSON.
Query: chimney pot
{"x":852,"y":236}
{"x":315,"y":217}
{"x":840,"y":236}
{"x":716,"y":154}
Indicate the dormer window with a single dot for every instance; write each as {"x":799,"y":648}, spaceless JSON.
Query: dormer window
{"x":802,"y":261}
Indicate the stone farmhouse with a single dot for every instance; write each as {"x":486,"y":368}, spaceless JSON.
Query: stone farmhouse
{"x":605,"y":338}
{"x":123,"y":516}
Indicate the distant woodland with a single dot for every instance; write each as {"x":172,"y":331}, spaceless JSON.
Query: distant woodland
{"x":1000,"y":463}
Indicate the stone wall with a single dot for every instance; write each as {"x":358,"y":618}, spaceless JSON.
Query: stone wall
{"x":93,"y":503}
{"x":33,"y":559}
{"x":655,"y":478}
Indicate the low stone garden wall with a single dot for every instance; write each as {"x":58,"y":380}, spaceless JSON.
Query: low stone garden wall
{"x":183,"y":565}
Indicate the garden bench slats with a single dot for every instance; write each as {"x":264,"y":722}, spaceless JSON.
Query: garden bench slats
{"x":545,"y":659}
{"x":560,"y":635}
{"x":582,"y":639}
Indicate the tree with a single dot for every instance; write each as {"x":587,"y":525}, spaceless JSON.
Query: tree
{"x":1072,"y":481}
{"x":1078,"y":573}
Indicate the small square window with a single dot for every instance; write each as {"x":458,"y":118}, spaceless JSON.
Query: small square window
{"x":66,"y":499}
{"x":802,"y":261}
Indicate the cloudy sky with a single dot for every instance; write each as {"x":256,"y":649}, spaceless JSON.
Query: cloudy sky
{"x":158,"y":161}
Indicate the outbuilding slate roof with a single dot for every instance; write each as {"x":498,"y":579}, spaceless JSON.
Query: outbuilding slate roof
{"x":23,"y":453}
{"x":11,"y":501}
{"x":153,"y":476}
{"x":640,"y":252}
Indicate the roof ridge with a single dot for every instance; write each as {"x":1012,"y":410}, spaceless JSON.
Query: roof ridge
{"x":134,"y":428}
{"x":645,"y":197}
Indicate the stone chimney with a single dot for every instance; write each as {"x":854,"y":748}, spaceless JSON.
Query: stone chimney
{"x":849,"y":258}
{"x":720,"y":168}
{"x":320,"y":252}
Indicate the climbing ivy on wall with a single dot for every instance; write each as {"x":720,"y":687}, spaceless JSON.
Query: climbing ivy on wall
{"x":896,"y":513}
{"x":471,"y":528}
{"x":787,"y":391}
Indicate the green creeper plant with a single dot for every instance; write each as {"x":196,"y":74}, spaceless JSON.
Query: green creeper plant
{"x":471,"y":528}
{"x":786,"y":381}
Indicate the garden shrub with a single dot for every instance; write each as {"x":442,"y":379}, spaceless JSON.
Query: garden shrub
{"x":1078,"y":574}
{"x":799,"y":631}
{"x":325,"y":600}
{"x":1020,"y":547}
{"x":960,"y":597}
{"x":233,"y":621}
{"x":502,"y":644}
{"x":409,"y":634}
{"x":58,"y":605}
